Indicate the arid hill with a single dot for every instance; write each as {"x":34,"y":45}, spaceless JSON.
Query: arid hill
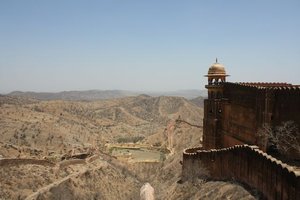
{"x":91,"y":95}
{"x":60,"y":149}
{"x":199,"y":101}
{"x":75,"y":95}
{"x":63,"y":124}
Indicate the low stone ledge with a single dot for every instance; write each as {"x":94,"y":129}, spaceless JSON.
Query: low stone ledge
{"x":24,"y":161}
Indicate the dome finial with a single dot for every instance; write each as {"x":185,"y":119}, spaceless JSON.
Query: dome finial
{"x":216,"y":60}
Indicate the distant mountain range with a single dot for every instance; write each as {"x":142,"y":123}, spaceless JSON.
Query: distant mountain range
{"x":104,"y":94}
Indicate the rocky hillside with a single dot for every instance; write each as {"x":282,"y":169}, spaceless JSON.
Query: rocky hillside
{"x":71,"y":137}
{"x":66,"y":180}
{"x":199,"y":101}
{"x":165,"y":177}
{"x":4,"y":99}
{"x":64,"y":124}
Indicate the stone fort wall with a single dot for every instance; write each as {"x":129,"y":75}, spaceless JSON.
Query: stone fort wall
{"x":233,"y":114}
{"x":236,"y":118}
{"x":272,"y":102}
{"x":24,"y":161}
{"x":243,"y":112}
{"x":245,"y":164}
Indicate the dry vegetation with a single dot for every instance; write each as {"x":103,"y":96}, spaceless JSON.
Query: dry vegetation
{"x":54,"y":130}
{"x":282,"y":141}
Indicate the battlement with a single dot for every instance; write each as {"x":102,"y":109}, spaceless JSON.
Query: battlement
{"x":233,"y":115}
{"x":264,"y":85}
{"x":246,"y":164}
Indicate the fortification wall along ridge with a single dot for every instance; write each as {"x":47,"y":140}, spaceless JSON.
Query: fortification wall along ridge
{"x":233,"y":115}
{"x":24,"y":161}
{"x":246,"y":164}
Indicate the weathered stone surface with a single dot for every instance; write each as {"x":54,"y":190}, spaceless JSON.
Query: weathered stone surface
{"x":246,"y":164}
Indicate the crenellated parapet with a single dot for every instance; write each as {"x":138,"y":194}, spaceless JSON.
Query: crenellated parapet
{"x":246,"y":164}
{"x":262,"y":86}
{"x":265,"y":84}
{"x":248,"y":86}
{"x":200,"y":151}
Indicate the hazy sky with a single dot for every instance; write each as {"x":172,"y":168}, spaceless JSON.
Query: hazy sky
{"x":145,"y":44}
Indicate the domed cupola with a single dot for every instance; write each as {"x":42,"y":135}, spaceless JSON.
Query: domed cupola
{"x":216,"y":74}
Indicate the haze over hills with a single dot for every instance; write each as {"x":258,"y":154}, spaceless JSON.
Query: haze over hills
{"x":104,"y":94}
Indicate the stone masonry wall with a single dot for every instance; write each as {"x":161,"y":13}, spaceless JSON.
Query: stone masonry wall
{"x":24,"y":161}
{"x":245,"y":164}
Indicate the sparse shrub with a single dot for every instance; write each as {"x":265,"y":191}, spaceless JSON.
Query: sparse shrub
{"x":201,"y":173}
{"x":284,"y":138}
{"x":157,"y":144}
{"x":111,"y":150}
{"x":22,"y":136}
{"x":165,"y":151}
{"x":132,"y":139}
{"x":37,"y":109}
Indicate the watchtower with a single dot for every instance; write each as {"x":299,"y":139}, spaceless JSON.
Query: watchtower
{"x":212,"y":113}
